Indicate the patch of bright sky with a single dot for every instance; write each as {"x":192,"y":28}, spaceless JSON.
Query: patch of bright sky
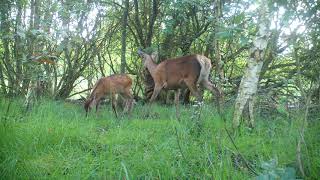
{"x":58,"y":28}
{"x":276,"y":20}
{"x":293,"y":26}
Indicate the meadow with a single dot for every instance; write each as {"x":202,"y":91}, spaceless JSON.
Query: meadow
{"x":56,"y":140}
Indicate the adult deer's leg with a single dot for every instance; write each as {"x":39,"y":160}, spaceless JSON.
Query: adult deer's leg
{"x":176,"y":100}
{"x":128,"y":101}
{"x":214,"y":90}
{"x":194,"y":90}
{"x":208,"y":85}
{"x":156,"y":91}
{"x":131,"y":100}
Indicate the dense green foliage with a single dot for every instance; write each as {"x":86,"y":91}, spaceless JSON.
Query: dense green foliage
{"x":56,"y":50}
{"x":55,"y":140}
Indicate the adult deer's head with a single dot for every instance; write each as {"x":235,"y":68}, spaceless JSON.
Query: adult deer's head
{"x":146,"y":58}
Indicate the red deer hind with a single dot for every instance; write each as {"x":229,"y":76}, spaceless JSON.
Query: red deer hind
{"x":110,"y":86}
{"x":179,"y":73}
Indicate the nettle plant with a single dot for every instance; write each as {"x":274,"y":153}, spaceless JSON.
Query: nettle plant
{"x":271,"y":170}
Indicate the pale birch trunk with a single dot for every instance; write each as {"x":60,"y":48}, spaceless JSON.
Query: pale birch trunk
{"x":248,"y":88}
{"x":249,"y":82}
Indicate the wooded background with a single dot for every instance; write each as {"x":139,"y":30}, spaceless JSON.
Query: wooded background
{"x":266,"y":61}
{"x":48,"y":48}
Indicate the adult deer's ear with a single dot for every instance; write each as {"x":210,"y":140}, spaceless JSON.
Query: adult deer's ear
{"x":154,"y":56}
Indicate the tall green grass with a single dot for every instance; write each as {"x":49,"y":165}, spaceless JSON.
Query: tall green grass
{"x":56,"y":140}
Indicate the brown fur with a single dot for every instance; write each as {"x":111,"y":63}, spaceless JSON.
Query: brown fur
{"x":110,"y":86}
{"x":179,"y":73}
{"x":173,"y":73}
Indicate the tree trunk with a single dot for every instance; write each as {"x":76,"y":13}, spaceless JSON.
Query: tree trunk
{"x":3,"y":84}
{"x":124,"y":36}
{"x":152,"y":20}
{"x":18,"y":46}
{"x":216,"y":44}
{"x":249,"y":82}
{"x":35,"y":87}
{"x":120,"y":101}
{"x":5,"y":31}
{"x":146,"y":41}
{"x":66,"y":88}
{"x":148,"y":84}
{"x":138,"y":25}
{"x":49,"y":69}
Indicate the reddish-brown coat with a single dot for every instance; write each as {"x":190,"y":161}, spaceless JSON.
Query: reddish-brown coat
{"x":110,"y":86}
{"x":173,"y":73}
{"x":179,"y":73}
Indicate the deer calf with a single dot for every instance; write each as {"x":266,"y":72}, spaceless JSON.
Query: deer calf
{"x":110,"y":86}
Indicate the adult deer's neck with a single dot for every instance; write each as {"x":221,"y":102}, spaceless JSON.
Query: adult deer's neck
{"x":151,"y":66}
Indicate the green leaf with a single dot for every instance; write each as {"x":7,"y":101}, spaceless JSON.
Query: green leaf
{"x":239,"y":18}
{"x":223,"y":35}
{"x":243,"y":40}
{"x":269,"y":165}
{"x":289,"y":173}
{"x":263,"y":177}
{"x":60,"y":47}
{"x":34,"y":31}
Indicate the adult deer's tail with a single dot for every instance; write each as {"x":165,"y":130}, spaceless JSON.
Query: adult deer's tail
{"x":205,"y":64}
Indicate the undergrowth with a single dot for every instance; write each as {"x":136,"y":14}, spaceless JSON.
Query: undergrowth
{"x":56,"y":140}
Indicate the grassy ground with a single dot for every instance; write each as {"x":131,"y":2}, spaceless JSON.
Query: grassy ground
{"x":55,"y":140}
